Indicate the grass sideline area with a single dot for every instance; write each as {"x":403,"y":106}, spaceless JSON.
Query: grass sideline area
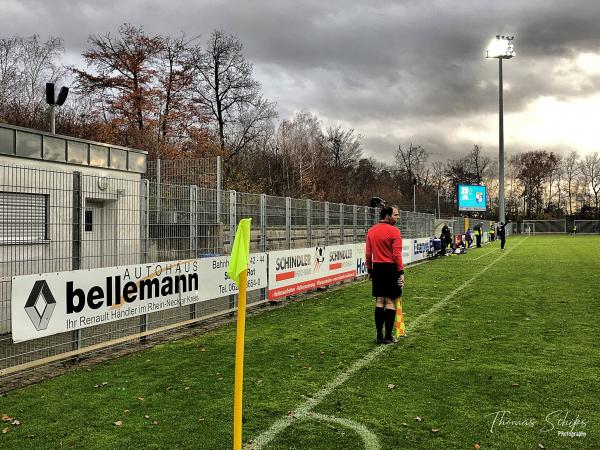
{"x":520,"y":337}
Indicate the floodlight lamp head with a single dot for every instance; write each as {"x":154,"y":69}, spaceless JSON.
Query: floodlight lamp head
{"x":501,"y":47}
{"x":62,"y":95}
{"x":50,"y":93}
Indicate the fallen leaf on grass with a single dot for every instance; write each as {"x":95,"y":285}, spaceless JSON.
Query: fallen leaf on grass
{"x":418,"y":419}
{"x":291,"y":413}
{"x":200,"y":419}
{"x":220,"y":379}
{"x":126,"y":411}
{"x":435,"y":430}
{"x":4,"y":430}
{"x":118,"y":423}
{"x":404,"y":424}
{"x":201,"y":349}
{"x":30,"y":436}
{"x":15,"y":423}
{"x":187,"y":388}
{"x":155,"y":422}
{"x":141,"y":399}
{"x":6,"y":418}
{"x":515,"y":385}
{"x":391,"y":386}
{"x":540,"y":445}
{"x":146,"y":416}
{"x":477,"y":446}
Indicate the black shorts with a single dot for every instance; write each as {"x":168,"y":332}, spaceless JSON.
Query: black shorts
{"x":385,"y":280}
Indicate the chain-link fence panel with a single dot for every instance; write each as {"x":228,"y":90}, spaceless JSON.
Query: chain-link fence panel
{"x":201,"y":172}
{"x":587,"y":227}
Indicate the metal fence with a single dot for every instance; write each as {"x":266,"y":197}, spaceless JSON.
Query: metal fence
{"x":53,"y":221}
{"x":203,"y":172}
{"x":587,"y":226}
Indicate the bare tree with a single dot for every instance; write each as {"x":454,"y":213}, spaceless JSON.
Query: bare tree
{"x":250,"y":126}
{"x":554,"y":175}
{"x":10,"y":57}
{"x":175,"y":75}
{"x":345,"y":147}
{"x":440,"y":183}
{"x":225,"y":87}
{"x":478,"y":164}
{"x":26,"y":65}
{"x":300,"y":144}
{"x":412,"y":162}
{"x":570,"y":168}
{"x":590,"y":168}
{"x":438,"y":175}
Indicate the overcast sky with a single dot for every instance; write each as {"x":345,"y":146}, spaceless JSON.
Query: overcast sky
{"x":395,"y":71}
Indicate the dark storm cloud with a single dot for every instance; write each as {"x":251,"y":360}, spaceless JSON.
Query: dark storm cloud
{"x":364,"y":63}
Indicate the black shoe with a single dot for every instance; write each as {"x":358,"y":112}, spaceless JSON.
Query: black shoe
{"x":379,"y":340}
{"x":391,"y":340}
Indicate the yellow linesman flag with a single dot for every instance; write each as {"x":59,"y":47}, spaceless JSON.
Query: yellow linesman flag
{"x":238,"y":261}
{"x":399,"y":329}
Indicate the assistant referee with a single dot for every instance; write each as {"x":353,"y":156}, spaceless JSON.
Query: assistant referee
{"x":386,"y":270}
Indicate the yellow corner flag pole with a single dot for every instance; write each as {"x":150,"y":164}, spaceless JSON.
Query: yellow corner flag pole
{"x":238,"y":272}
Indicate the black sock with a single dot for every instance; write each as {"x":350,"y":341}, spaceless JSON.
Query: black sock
{"x":379,"y":320}
{"x":390,"y":316}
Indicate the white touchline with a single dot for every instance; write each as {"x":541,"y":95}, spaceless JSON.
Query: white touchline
{"x":304,"y":410}
{"x":485,"y":254}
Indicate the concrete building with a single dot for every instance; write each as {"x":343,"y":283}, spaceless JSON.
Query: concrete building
{"x":65,"y":204}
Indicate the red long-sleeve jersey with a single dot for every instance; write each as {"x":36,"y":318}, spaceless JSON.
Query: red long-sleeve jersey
{"x":384,"y":245}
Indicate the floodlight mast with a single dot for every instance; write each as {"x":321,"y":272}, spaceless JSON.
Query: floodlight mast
{"x":53,"y":102}
{"x":502,"y":48}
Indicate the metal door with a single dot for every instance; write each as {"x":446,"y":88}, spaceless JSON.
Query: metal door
{"x":99,"y":235}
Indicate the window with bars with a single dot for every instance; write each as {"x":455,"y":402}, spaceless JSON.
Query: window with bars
{"x":23,"y":218}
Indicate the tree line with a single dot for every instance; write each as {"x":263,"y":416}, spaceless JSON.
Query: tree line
{"x":179,"y":97}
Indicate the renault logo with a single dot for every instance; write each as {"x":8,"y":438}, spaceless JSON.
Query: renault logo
{"x":40,"y":305}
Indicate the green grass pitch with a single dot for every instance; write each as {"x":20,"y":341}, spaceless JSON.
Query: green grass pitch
{"x":502,"y":353}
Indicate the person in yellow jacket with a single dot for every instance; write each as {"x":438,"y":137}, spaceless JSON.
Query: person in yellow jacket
{"x":478,"y":235}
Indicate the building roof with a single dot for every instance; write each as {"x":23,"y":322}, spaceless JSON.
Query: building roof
{"x":34,"y":144}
